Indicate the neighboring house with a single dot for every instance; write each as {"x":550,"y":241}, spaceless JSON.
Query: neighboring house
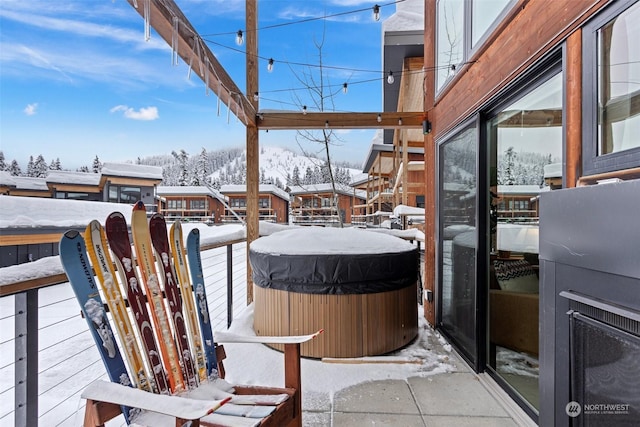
{"x":191,"y":202}
{"x":314,"y":204}
{"x":537,"y":92}
{"x":273,"y":203}
{"x":117,"y":183}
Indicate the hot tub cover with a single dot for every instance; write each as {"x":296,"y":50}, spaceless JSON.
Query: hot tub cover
{"x":333,"y":261}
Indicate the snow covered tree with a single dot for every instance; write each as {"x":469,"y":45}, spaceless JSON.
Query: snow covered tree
{"x":55,"y":165}
{"x":3,"y":164}
{"x":84,"y":169}
{"x":97,"y":165}
{"x":30,"y":167}
{"x":40,"y":167}
{"x":201,"y":170}
{"x":182,"y":159}
{"x":296,"y":175}
{"x":509,"y":168}
{"x":14,"y":168}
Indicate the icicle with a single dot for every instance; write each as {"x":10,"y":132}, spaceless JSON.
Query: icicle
{"x":189,"y":71}
{"x":206,"y":78}
{"x":135,"y":3}
{"x":218,"y":107}
{"x":147,"y":20}
{"x":228,"y":108}
{"x":174,"y":41}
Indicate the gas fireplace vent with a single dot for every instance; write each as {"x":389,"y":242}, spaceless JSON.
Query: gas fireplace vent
{"x":611,"y":314}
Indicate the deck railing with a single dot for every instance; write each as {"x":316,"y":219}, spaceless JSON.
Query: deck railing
{"x":47,"y":355}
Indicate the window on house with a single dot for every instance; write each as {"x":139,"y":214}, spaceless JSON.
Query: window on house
{"x":462,"y":26}
{"x":197,"y":205}
{"x":611,"y":94}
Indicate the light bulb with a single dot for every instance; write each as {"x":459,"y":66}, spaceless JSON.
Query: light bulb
{"x":400,"y":121}
{"x":270,"y":65}
{"x":344,"y":88}
{"x":376,"y":12}
{"x":326,"y":124}
{"x":304,"y":110}
{"x":379,"y":118}
{"x":256,"y":96}
{"x":239,"y":38}
{"x":390,"y":78}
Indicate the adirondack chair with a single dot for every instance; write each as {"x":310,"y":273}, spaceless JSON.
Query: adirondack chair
{"x":214,"y":402}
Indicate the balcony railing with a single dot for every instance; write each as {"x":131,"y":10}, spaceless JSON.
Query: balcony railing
{"x":47,"y":355}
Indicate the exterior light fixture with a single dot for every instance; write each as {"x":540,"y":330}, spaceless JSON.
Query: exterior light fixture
{"x":376,"y":12}
{"x":270,"y":65}
{"x":390,"y":78}
{"x":256,"y":96}
{"x":379,"y":119}
{"x":326,"y":124}
{"x":426,"y":127}
{"x":400,"y":121}
{"x":304,"y":110}
{"x":239,"y":38}
{"x":344,"y":88}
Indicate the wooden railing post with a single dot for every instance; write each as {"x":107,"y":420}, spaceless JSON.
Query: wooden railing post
{"x":26,"y":354}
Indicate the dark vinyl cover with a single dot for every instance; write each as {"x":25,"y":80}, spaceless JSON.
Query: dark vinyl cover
{"x":335,"y":274}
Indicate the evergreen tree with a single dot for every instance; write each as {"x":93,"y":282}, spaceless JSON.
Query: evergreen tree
{"x":97,"y":165}
{"x":201,"y":172}
{"x":30,"y":167}
{"x":296,"y":175}
{"x":14,"y":169}
{"x":3,"y":164}
{"x":509,"y":171}
{"x":40,"y":167}
{"x":55,"y":165}
{"x":182,"y":159}
{"x":83,"y":169}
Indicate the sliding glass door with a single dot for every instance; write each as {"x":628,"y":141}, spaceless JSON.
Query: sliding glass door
{"x":458,"y":159}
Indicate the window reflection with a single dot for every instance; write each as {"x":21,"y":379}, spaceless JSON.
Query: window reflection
{"x":526,"y":159}
{"x":484,"y":13}
{"x":619,"y":83}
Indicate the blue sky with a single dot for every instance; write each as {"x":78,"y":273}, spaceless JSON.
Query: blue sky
{"x":77,"y":78}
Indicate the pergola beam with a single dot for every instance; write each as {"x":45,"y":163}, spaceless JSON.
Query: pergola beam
{"x":293,"y":120}
{"x":192,"y":49}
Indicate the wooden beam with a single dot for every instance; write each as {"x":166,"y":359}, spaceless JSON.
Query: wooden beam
{"x":193,"y":50}
{"x":573,"y":106}
{"x":292,"y":120}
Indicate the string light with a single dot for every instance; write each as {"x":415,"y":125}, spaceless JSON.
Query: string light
{"x":379,"y":119}
{"x":304,"y":110}
{"x":344,"y":88}
{"x":239,"y":38}
{"x":270,"y":65}
{"x":390,"y":78}
{"x":256,"y":96}
{"x":400,"y":121}
{"x":326,"y":124}
{"x":376,"y":12}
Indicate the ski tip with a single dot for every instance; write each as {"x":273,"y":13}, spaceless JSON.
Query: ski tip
{"x":71,"y":234}
{"x":115,"y":215}
{"x":139,"y":206}
{"x":94,"y":225}
{"x":195,"y":232}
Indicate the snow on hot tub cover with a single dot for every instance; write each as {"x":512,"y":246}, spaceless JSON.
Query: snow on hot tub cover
{"x":333,"y":261}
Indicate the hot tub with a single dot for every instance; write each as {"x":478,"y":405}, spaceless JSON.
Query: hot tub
{"x":359,"y":286}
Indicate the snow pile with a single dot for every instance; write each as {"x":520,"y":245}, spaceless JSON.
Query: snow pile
{"x":322,"y":240}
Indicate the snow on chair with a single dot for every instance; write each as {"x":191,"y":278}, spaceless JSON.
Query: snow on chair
{"x":154,"y":387}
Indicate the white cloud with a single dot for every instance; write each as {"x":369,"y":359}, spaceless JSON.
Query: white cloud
{"x":30,"y":109}
{"x":148,"y":113}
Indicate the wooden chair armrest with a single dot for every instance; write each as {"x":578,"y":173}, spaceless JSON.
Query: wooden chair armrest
{"x":175,"y":406}
{"x":229,"y":337}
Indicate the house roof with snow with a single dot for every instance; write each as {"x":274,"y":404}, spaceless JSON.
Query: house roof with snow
{"x":188,"y":190}
{"x":514,"y":190}
{"x":327,"y":188}
{"x":132,"y":171}
{"x":263,"y":188}
{"x":73,"y":178}
{"x":28,"y":183}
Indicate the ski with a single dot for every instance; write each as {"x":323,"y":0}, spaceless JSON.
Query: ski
{"x":73,"y":256}
{"x":118,"y":237}
{"x":160,"y":241}
{"x":96,"y":242}
{"x":180,"y":263}
{"x":197,"y":279}
{"x":144,"y":255}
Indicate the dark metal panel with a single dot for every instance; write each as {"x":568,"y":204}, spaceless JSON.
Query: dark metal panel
{"x":595,"y":227}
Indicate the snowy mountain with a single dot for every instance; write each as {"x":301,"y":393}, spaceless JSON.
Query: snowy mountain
{"x":279,"y":166}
